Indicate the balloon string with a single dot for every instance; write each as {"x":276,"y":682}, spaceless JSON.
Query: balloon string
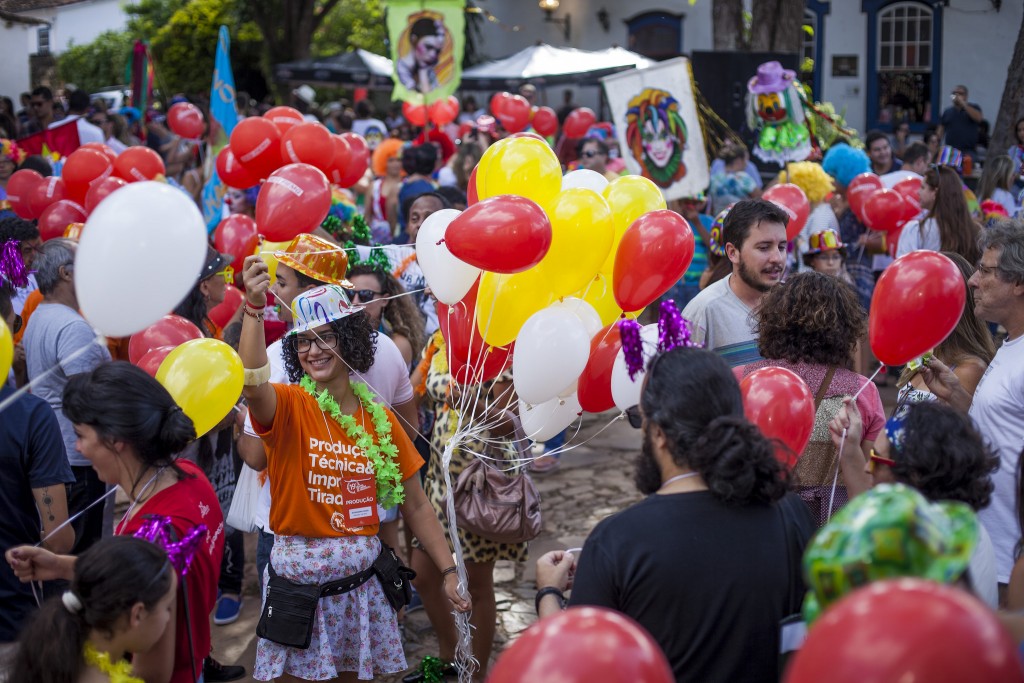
{"x":28,"y":387}
{"x":871,"y":379}
{"x":842,"y":443}
{"x":274,"y":252}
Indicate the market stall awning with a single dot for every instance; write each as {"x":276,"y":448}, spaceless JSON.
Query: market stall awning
{"x":547,"y":65}
{"x":356,"y":68}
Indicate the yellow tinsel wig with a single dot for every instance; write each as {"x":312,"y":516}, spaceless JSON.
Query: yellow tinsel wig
{"x":809,"y":177}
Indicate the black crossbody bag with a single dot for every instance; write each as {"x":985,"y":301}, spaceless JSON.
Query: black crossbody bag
{"x":290,"y":607}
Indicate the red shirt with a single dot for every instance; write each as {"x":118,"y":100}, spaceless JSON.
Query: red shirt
{"x":190,"y":502}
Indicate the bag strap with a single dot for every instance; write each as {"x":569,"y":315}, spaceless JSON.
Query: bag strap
{"x":825,"y":383}
{"x":338,"y":586}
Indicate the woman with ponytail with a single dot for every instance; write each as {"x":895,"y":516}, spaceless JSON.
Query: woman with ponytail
{"x":121,"y":600}
{"x":709,"y":562}
{"x":130,"y":430}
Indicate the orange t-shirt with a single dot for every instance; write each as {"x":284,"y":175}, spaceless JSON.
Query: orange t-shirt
{"x":310,"y":458}
{"x":32,"y":301}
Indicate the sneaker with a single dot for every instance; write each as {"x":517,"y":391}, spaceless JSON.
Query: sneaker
{"x":228,"y":610}
{"x":545,"y":464}
{"x":416,"y":603}
{"x":215,"y":672}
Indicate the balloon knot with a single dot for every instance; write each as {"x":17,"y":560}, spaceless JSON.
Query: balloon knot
{"x":439,"y":242}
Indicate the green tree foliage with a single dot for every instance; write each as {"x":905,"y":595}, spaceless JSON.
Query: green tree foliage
{"x":352,"y":24}
{"x":97,"y":64}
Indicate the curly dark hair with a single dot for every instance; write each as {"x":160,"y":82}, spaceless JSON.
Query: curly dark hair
{"x":811,"y":318}
{"x":944,"y":457}
{"x":695,"y":399}
{"x":357,"y":344}
{"x":15,"y":228}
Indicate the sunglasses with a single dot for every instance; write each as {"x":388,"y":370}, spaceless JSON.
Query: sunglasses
{"x":636,"y":420}
{"x":324,"y":342}
{"x":228,"y":274}
{"x":590,"y":154}
{"x":364,"y":295}
{"x":875,"y":459}
{"x":16,"y":327}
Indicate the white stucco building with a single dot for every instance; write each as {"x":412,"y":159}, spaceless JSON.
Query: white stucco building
{"x":878,"y":60}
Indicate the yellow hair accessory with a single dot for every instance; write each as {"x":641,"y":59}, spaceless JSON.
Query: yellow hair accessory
{"x":809,"y":177}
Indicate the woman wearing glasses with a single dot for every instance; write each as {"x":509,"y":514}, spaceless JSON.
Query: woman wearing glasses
{"x":332,"y":454}
{"x":397,"y":316}
{"x":207,"y":293}
{"x":937,"y":450}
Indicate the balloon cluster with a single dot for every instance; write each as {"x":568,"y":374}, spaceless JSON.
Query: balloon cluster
{"x":548,"y":263}
{"x":440,"y":113}
{"x":884,"y":208}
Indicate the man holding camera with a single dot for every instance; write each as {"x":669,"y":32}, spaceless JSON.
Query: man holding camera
{"x":961,"y":122}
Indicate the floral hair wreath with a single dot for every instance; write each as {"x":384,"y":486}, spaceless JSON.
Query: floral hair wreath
{"x":377,"y":259}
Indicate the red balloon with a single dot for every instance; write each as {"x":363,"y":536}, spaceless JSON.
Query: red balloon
{"x":231,"y":171}
{"x":139,"y":163}
{"x":545,"y":121}
{"x":99,"y":191}
{"x":859,"y":190}
{"x":236,"y":235}
{"x":471,"y":359}
{"x":100,"y":147}
{"x":580,"y":645}
{"x":295,"y":199}
{"x":907,"y":630}
{"x":284,"y":118}
{"x":45,"y":193}
{"x":594,"y":389}
{"x":20,"y":187}
{"x":578,"y":122}
{"x":416,"y":114}
{"x":186,"y":120}
{"x":886,"y":210}
{"x":513,"y":111}
{"x":358,"y":159}
{"x":779,"y":402}
{"x":504,"y":234}
{"x":170,"y":330}
{"x":222,"y":313}
{"x":471,"y":194}
{"x":444,"y":111}
{"x":308,"y":143}
{"x":793,"y":201}
{"x":910,"y":188}
{"x":153,"y":358}
{"x":340,"y":162}
{"x":916,"y":304}
{"x":654,"y":253}
{"x":256,"y":143}
{"x":56,"y":218}
{"x":82,"y":167}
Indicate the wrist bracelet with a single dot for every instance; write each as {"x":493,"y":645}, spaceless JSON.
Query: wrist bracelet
{"x":451,"y":570}
{"x":254,"y":377}
{"x":252,"y":312}
{"x":543,"y":593}
{"x":254,"y":306}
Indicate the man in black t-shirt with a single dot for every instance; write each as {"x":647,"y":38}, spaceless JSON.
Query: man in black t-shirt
{"x":961,"y":122}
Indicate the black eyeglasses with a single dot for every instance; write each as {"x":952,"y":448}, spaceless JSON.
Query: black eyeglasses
{"x":364,"y":295}
{"x":324,"y":342}
{"x":636,"y":420}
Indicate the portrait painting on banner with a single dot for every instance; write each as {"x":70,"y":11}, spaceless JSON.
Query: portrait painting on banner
{"x":427,"y":50}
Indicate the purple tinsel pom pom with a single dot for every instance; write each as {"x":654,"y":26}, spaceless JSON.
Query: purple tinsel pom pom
{"x":12,"y":267}
{"x":673,"y":330}
{"x":632,"y":347}
{"x":158,"y":529}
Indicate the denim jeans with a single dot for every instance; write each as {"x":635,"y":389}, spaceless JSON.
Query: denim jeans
{"x":264,"y":544}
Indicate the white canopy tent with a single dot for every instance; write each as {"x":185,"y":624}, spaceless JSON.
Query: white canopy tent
{"x":544,"y":64}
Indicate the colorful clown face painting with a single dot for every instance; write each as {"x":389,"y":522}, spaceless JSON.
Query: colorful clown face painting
{"x":656,"y":135}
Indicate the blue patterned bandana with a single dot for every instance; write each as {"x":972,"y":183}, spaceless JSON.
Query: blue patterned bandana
{"x":896,"y":431}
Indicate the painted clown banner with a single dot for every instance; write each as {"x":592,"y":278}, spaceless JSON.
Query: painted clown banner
{"x":426,"y":48}
{"x":657,"y":127}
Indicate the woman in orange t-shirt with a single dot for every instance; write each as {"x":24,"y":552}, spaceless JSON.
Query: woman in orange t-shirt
{"x":332,"y":455}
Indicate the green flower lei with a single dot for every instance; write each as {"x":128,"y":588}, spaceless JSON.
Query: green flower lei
{"x":383,"y":455}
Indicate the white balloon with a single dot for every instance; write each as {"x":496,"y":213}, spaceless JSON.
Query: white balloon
{"x":140,"y":254}
{"x":544,"y":421}
{"x":585,"y":312}
{"x":551,"y":351}
{"x":448,"y":277}
{"x":626,"y":391}
{"x":585,"y":178}
{"x":889,"y":180}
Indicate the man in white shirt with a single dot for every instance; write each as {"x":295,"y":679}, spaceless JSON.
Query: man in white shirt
{"x":720,"y":317}
{"x":997,"y":407}
{"x":78,"y":107}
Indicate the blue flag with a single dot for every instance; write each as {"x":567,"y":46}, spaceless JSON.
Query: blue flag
{"x":224,"y":111}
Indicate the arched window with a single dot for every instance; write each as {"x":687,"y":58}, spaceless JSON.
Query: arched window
{"x":904,"y":57}
{"x":656,"y":35}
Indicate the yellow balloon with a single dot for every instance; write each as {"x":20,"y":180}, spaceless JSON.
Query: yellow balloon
{"x":581,"y":237}
{"x":521,"y":166}
{"x":204,"y":377}
{"x":599,"y":294}
{"x":629,"y":196}
{"x":6,"y":351}
{"x":484,"y":164}
{"x":504,"y":302}
{"x":266,"y":251}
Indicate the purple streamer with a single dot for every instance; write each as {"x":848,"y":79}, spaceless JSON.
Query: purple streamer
{"x":673,"y":330}
{"x":632,"y":347}
{"x":12,"y":266}
{"x":157,"y":529}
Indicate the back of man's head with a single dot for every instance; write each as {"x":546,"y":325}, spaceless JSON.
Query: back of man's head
{"x":78,"y":102}
{"x":745,"y":214}
{"x":52,"y":256}
{"x":16,"y":228}
{"x":364,"y":109}
{"x":419,"y":159}
{"x":915,"y":152}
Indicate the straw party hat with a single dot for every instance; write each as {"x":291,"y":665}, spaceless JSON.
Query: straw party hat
{"x":317,"y":258}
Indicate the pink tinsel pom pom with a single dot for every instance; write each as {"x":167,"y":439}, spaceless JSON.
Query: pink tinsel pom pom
{"x":12,"y":266}
{"x":159,"y":530}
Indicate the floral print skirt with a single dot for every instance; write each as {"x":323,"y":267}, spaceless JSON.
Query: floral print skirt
{"x":356,"y":631}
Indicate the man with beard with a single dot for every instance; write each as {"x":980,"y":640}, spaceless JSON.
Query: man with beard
{"x":712,"y":593}
{"x":754,"y":234}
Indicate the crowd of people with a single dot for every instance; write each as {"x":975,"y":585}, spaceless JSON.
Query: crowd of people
{"x":349,"y":401}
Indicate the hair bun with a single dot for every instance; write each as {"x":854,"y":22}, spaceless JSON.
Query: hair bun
{"x":177,"y":429}
{"x":737,"y":462}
